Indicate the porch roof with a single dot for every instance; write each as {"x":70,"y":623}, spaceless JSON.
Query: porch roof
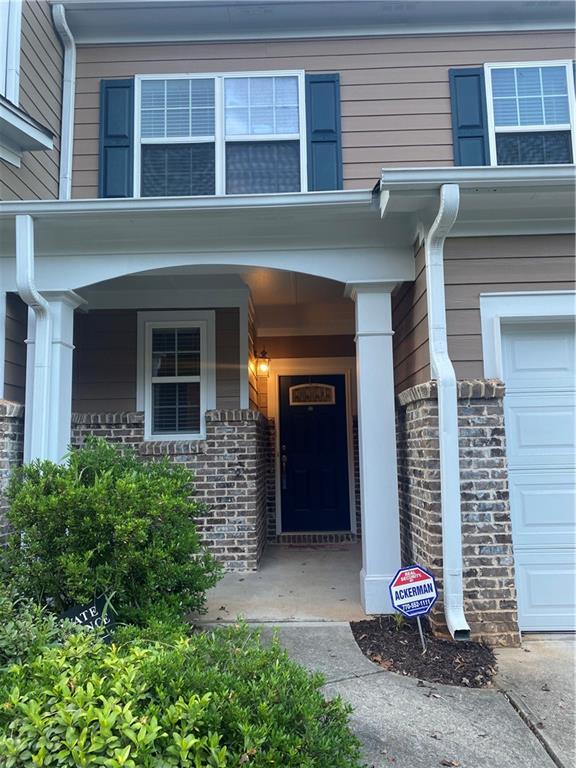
{"x":338,"y":235}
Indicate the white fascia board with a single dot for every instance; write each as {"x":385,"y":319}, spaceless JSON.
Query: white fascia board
{"x":476,"y":177}
{"x":18,"y":135}
{"x":38,"y":208}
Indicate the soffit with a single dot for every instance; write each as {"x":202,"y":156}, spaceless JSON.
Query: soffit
{"x":93,"y":21}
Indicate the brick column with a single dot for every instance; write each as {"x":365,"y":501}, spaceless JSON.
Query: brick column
{"x":11,"y":448}
{"x":489,"y":587}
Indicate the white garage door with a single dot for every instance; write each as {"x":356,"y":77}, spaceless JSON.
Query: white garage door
{"x":539,"y":407}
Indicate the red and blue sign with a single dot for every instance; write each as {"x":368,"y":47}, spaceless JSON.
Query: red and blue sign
{"x":413,"y":591}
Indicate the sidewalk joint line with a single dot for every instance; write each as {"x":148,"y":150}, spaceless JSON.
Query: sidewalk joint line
{"x":527,"y":717}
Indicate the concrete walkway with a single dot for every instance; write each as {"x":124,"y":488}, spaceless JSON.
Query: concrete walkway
{"x":540,"y":681}
{"x":408,"y":724}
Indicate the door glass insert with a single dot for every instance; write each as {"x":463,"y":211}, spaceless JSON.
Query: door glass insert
{"x":312,"y":394}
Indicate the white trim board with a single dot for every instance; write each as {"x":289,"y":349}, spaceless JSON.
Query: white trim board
{"x":517,"y":307}
{"x":309,"y":366}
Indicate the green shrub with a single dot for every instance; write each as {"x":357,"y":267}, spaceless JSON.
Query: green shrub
{"x":218,"y":699}
{"x":106,"y":522}
{"x":26,"y":629}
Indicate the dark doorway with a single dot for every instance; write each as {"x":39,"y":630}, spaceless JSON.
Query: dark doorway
{"x":314,"y":454}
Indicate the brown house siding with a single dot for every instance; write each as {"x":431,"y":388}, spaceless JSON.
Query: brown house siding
{"x":104,"y":377}
{"x":15,"y":358}
{"x":394,"y":91}
{"x":41,"y":64}
{"x":492,"y":265}
{"x":473,"y":266}
{"x":410,"y":323}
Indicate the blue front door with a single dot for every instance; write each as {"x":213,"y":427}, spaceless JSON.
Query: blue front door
{"x":314,"y":454}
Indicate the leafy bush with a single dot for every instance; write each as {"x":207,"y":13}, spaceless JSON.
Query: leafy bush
{"x":106,"y":522}
{"x":26,"y":629}
{"x":217,"y":700}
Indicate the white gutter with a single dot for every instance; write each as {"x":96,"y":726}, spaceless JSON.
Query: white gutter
{"x":477,"y":177}
{"x":38,"y":403}
{"x":443,"y":372}
{"x":38,"y":208}
{"x":68,"y":97}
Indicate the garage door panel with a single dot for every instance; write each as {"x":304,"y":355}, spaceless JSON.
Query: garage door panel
{"x":540,"y":356}
{"x":546,"y":590}
{"x":541,"y":431}
{"x":540,"y":420}
{"x":543,"y":505}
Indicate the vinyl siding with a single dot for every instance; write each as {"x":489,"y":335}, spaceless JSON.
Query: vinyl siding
{"x":41,"y":65}
{"x":105,"y":360}
{"x":15,"y":358}
{"x":491,"y":265}
{"x":394,"y":91}
{"x":473,"y":266}
{"x":410,"y":323}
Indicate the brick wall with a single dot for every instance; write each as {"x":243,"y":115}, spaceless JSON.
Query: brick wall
{"x":11,"y":447}
{"x":488,"y":560}
{"x":230,"y":467}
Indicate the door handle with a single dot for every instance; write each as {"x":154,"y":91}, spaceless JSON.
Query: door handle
{"x":284,"y":461}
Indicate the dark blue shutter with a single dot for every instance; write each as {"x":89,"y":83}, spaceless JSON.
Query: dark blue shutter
{"x":324,"y":135}
{"x":469,"y":119}
{"x":116,"y":138}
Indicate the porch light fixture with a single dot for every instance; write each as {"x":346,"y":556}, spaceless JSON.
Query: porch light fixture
{"x":263,"y":363}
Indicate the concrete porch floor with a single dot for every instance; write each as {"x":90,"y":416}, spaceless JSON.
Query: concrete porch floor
{"x":294,"y":583}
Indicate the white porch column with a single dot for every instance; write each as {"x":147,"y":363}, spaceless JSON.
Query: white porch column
{"x":61,"y":308}
{"x":377,"y":443}
{"x":47,"y":430}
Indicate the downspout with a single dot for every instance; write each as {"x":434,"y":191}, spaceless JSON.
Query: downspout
{"x":68,"y":96}
{"x":37,"y":410}
{"x":443,"y":372}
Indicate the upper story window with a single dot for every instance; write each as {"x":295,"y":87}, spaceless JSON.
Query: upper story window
{"x":10,"y":27}
{"x":531,"y":113}
{"x":222,"y":134}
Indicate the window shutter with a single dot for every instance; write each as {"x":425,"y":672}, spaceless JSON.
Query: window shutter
{"x":116,"y":138}
{"x":324,"y":146}
{"x":469,"y":119}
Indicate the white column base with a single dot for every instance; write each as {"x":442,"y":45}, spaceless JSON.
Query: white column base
{"x":375,"y":594}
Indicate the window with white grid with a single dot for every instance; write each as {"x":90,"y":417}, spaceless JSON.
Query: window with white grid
{"x":220,"y":134}
{"x":178,"y":370}
{"x":531,"y":113}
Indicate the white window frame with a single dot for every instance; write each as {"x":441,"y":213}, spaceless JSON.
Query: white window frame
{"x":493,"y":130}
{"x":10,"y":36}
{"x":204,"y":320}
{"x":220,"y":139}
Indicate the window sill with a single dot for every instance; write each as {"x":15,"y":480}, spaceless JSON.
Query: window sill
{"x":172,"y":447}
{"x":20,"y":133}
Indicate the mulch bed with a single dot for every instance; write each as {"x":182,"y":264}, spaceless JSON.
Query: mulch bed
{"x":397,"y":647}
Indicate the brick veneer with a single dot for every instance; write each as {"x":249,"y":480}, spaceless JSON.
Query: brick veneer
{"x":230,"y":467}
{"x":11,"y":447}
{"x":488,"y":560}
